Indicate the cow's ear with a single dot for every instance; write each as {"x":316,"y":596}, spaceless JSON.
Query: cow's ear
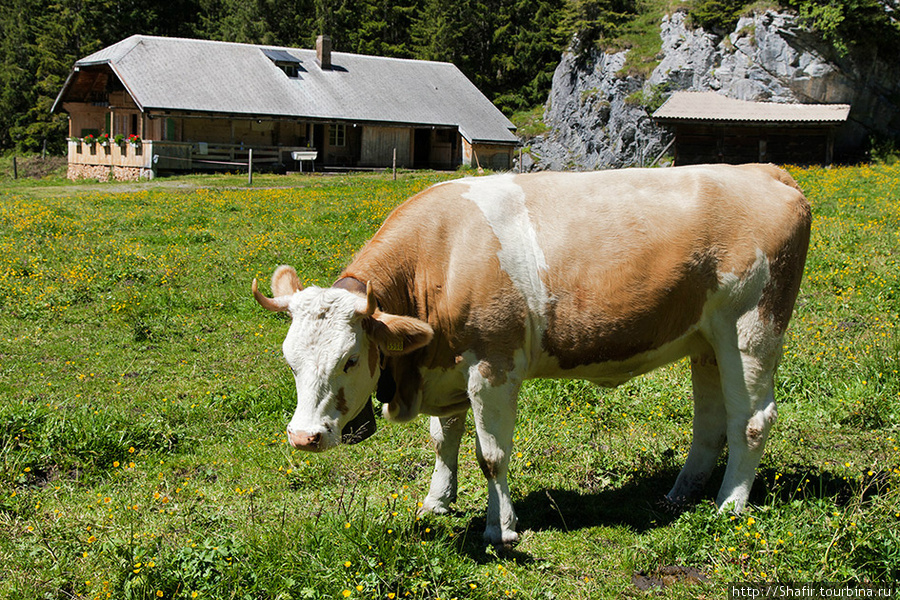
{"x":285,"y":281}
{"x":397,"y":335}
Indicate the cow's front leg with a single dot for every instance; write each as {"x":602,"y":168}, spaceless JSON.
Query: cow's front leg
{"x":494,"y":411}
{"x":446,"y":433}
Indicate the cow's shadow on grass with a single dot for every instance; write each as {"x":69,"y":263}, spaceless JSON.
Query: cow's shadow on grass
{"x":640,"y":504}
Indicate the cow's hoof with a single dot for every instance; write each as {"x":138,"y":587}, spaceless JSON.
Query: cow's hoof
{"x":496,"y":537}
{"x":434,"y":506}
{"x":672,"y":506}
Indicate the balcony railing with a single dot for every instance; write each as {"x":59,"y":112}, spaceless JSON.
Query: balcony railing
{"x":179,"y":156}
{"x":109,"y":154}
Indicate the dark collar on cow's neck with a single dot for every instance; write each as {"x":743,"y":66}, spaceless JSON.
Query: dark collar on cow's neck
{"x":351,"y":284}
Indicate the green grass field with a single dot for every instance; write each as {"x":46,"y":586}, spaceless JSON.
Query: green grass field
{"x":143,"y":401}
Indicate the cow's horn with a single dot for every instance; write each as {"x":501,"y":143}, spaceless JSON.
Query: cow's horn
{"x":274,"y":304}
{"x":371,"y":304}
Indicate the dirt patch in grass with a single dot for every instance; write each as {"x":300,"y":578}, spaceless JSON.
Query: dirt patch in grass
{"x":666,"y":576}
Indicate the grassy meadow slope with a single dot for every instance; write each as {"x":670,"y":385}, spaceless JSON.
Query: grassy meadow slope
{"x":143,"y":400}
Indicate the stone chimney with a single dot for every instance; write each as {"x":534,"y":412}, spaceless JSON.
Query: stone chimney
{"x":323,"y":52}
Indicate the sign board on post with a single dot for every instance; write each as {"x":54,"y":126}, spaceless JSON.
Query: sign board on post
{"x":301,"y":155}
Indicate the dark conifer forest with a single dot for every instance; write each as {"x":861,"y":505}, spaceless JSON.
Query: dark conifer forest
{"x":508,"y":48}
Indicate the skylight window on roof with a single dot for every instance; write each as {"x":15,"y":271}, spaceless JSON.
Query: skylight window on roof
{"x":278,"y":56}
{"x":284,"y":61}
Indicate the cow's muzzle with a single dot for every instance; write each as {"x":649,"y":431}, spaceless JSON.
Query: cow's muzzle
{"x":305,"y":441}
{"x":361,"y":427}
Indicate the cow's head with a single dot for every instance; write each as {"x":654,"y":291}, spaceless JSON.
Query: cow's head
{"x":334,"y":348}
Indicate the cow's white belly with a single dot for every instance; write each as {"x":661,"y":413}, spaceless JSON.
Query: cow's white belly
{"x":614,"y":373}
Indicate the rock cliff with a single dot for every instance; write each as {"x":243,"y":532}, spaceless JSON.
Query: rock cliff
{"x":600,"y":118}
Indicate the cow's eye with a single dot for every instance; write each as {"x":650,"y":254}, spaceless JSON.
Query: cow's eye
{"x":351,"y":362}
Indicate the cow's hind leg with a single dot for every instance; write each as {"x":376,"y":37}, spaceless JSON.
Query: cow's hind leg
{"x":494,"y":412}
{"x":446,"y":433}
{"x":747,"y":366}
{"x":708,"y":430}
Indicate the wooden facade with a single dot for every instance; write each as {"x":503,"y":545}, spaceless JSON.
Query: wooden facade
{"x":699,"y":143}
{"x":172,"y":143}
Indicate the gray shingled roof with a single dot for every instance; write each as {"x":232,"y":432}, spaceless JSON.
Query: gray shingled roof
{"x":710,"y":106}
{"x":207,"y":76}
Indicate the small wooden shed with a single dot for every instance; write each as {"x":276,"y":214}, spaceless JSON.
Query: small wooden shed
{"x":711,"y":128}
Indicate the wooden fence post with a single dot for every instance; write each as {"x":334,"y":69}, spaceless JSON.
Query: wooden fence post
{"x":15,"y":168}
{"x":395,"y":164}
{"x":250,"y":167}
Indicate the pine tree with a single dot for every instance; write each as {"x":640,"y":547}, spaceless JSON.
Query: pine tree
{"x":17,"y":71}
{"x":384,"y":28}
{"x":529,"y":46}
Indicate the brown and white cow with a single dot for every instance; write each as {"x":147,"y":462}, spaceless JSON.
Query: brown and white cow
{"x":475,"y":285}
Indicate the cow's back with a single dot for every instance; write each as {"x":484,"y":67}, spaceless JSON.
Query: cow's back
{"x":607,"y":264}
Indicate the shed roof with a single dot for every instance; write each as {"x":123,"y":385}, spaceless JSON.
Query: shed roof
{"x":180,"y":74}
{"x":710,"y":106}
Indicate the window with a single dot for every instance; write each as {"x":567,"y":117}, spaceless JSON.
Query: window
{"x":337,"y":135}
{"x":284,"y":60}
